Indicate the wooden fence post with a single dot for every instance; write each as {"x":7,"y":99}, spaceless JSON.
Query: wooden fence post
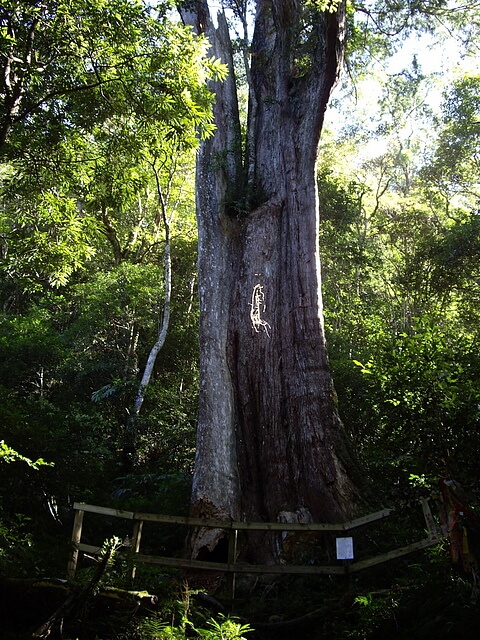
{"x":76,"y":537}
{"x":136,"y":538}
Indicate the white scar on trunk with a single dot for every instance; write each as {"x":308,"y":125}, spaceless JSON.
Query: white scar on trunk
{"x":257,"y":307}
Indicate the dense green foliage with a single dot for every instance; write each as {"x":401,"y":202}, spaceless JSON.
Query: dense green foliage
{"x":401,"y":244}
{"x":97,"y":157}
{"x":102,"y":105}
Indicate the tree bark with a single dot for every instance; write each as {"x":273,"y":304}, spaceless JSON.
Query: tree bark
{"x":270,"y":443}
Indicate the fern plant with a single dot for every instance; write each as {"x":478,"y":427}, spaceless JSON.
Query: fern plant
{"x":153,"y":629}
{"x":225,"y":629}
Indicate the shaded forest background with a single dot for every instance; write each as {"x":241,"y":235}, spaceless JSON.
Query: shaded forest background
{"x":97,"y":180}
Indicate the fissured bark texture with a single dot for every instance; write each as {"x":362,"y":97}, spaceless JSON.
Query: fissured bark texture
{"x":271,"y":446}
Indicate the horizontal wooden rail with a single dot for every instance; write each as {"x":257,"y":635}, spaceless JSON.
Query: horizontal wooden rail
{"x":95,"y":550}
{"x":231,"y":524}
{"x":288,"y":569}
{"x":241,"y":568}
{"x":391,"y":555}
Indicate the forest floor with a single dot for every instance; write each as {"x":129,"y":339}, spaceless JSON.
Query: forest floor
{"x":418,"y":600}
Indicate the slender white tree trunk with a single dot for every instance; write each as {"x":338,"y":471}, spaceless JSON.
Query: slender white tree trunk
{"x":129,"y":453}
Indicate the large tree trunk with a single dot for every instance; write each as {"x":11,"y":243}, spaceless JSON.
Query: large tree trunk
{"x":270,"y":442}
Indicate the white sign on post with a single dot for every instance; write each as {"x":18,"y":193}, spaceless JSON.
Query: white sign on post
{"x":345,"y":549}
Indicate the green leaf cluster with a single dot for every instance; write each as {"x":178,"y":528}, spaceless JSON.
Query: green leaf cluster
{"x":7,"y":454}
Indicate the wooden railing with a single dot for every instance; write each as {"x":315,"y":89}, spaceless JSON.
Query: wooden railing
{"x":231,"y":567}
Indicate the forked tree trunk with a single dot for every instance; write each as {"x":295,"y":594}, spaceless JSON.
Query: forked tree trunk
{"x":270,"y":445}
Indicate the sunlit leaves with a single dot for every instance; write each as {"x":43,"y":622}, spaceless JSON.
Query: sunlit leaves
{"x":45,"y":241}
{"x":455,"y":166}
{"x":7,"y":454}
{"x":124,"y":96}
{"x":90,"y":61}
{"x":400,"y":240}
